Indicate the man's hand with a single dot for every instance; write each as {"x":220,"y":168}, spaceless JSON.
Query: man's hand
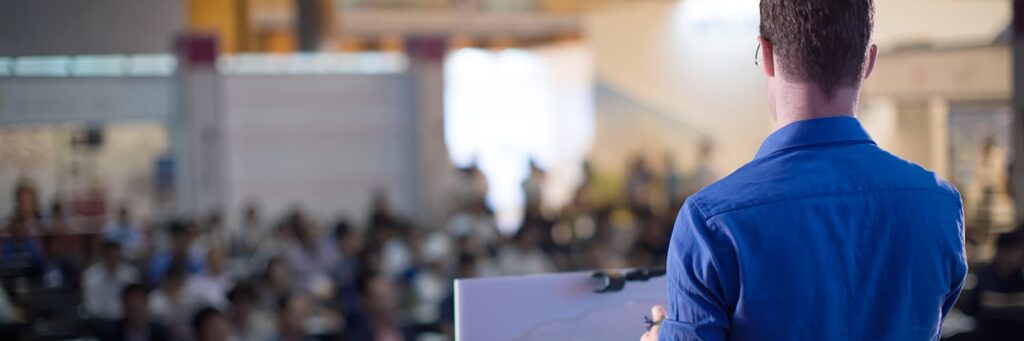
{"x":657,"y":315}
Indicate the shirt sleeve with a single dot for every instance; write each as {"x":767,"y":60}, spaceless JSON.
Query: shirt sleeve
{"x":959,"y":270}
{"x":703,"y":280}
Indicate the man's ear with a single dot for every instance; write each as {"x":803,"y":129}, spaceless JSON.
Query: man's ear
{"x":767,"y":56}
{"x":872,"y":58}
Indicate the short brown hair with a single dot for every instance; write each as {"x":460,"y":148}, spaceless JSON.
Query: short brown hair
{"x":822,"y":41}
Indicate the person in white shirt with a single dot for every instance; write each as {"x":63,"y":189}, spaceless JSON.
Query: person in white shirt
{"x":250,"y":233}
{"x":102,"y":282}
{"x":523,"y":255}
{"x":311,"y":260}
{"x":249,"y":321}
{"x":174,"y":303}
{"x":212,"y":234}
{"x":215,"y":280}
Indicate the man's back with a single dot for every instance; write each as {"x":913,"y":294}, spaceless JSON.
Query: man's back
{"x":824,"y":236}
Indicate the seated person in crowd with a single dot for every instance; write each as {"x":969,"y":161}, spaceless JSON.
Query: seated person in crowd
{"x":125,"y":232}
{"x":250,"y":323}
{"x":274,"y":285}
{"x":20,"y":250}
{"x":293,"y":310}
{"x":102,"y":282}
{"x":277,"y":244}
{"x":209,"y":324}
{"x":9,"y":314}
{"x":312,"y":261}
{"x":524,"y":255}
{"x":136,"y":324}
{"x":249,"y":234}
{"x":174,"y":303}
{"x":181,"y":242}
{"x":59,"y":269}
{"x":215,"y":279}
{"x":349,"y":246}
{"x":999,"y":295}
{"x":211,"y":235}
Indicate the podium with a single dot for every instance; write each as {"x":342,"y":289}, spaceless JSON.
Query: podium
{"x":561,"y":306}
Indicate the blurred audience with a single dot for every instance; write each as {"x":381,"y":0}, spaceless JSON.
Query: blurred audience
{"x":286,"y":278}
{"x":998,"y":298}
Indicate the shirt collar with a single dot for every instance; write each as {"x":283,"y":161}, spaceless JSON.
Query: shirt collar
{"x":818,"y":131}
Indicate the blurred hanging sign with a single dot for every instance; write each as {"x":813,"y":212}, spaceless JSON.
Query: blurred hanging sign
{"x":196,"y":49}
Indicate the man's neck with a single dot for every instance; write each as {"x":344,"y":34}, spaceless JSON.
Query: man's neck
{"x":804,"y":101}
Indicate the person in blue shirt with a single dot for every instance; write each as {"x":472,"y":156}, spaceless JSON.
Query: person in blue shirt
{"x":180,"y":251}
{"x":20,"y":251}
{"x":824,"y":235}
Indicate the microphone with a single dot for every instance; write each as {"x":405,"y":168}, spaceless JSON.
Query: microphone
{"x":613,"y":281}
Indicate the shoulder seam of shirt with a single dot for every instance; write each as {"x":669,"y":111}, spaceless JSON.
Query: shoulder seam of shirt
{"x":700,"y":211}
{"x":706,"y":218}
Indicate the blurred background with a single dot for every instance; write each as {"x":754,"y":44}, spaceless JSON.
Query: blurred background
{"x":323,"y":169}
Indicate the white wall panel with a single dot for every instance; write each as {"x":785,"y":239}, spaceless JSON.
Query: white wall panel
{"x":320,"y":142}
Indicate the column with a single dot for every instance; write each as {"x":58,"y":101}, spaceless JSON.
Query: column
{"x":197,"y":128}
{"x":434,"y":170}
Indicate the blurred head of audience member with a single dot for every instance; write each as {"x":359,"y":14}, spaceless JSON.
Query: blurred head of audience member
{"x":380,"y":209}
{"x":59,"y":269}
{"x":26,"y":201}
{"x":382,"y":299}
{"x":123,"y":230}
{"x":275,"y":283}
{"x":348,"y":241}
{"x":58,"y":219}
{"x":124,"y":216}
{"x":181,"y":239}
{"x":174,"y":302}
{"x":136,"y":324}
{"x":209,"y":324}
{"x":112,"y":256}
{"x":216,"y":262}
{"x":1009,"y":257}
{"x":247,"y":319}
{"x":292,"y":311}
{"x":180,"y":252}
{"x":251,"y":216}
{"x":214,"y":281}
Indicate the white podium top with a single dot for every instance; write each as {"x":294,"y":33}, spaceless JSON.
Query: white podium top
{"x":552,"y":307}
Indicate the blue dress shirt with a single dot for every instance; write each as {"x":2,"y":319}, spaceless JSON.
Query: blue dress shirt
{"x":823,"y":236}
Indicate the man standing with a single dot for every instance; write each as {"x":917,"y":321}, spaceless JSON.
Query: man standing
{"x":823,"y":236}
